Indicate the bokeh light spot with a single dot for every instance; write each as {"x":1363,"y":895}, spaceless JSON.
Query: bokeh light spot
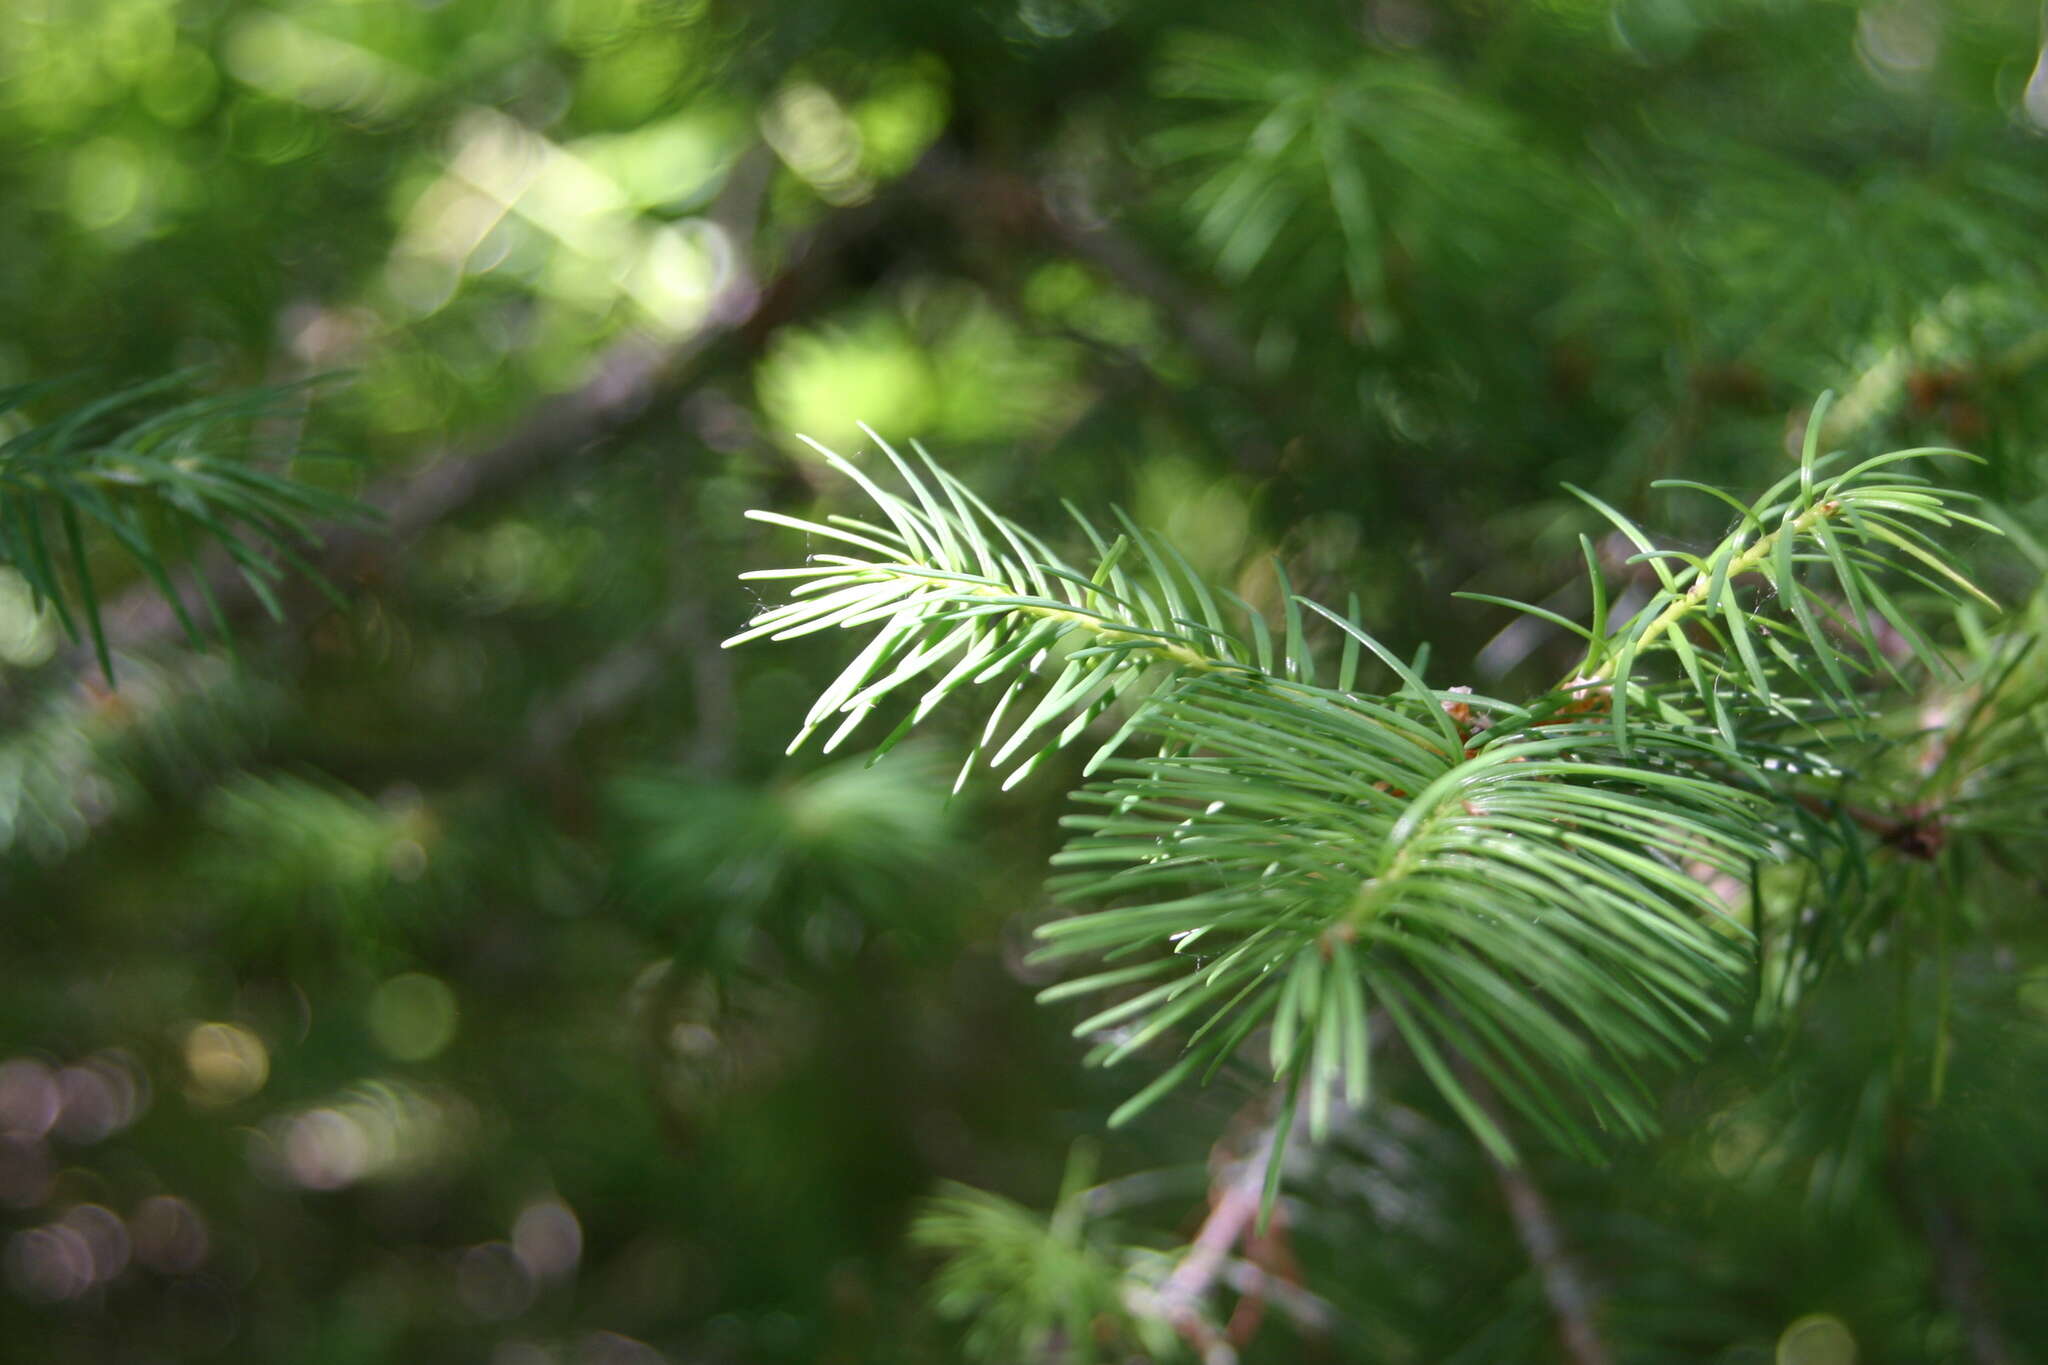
{"x":99,"y":1097}
{"x":133,"y":39}
{"x":105,"y":1237}
{"x":413,"y":1016}
{"x":106,"y":182}
{"x":29,"y":1102}
{"x":293,"y":62}
{"x":27,"y":635}
{"x":1898,"y":40}
{"x":169,"y":1235}
{"x":379,"y":1129}
{"x":1817,"y":1339}
{"x":2035,"y":101}
{"x":492,"y":1283}
{"x":227,"y":1063}
{"x":50,"y":1263}
{"x":326,"y":1149}
{"x":182,"y":87}
{"x":610,"y":1348}
{"x":548,"y":1239}
{"x":816,"y":138}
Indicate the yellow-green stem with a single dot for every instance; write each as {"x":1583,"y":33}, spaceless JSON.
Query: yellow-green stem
{"x":1689,"y":601}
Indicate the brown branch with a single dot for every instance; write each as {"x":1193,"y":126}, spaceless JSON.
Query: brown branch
{"x":606,"y":686}
{"x":1237,"y":1190}
{"x":1960,"y":1274}
{"x":1310,"y":1311}
{"x":629,"y":669}
{"x":627,"y":672}
{"x":1266,"y":1273}
{"x":1574,"y":1303}
{"x":1961,"y":1280}
{"x":1914,"y":832}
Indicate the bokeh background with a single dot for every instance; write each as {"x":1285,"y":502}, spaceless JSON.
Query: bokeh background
{"x":466,"y":975}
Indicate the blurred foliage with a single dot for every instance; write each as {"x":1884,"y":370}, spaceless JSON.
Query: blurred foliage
{"x":823,"y":861}
{"x":156,"y":486}
{"x":465,"y":974}
{"x":1029,"y":1287}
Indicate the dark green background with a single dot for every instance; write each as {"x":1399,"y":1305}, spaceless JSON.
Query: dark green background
{"x":1354,"y":285}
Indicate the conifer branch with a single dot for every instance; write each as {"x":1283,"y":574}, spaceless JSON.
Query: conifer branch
{"x":158,"y":479}
{"x":1862,"y":524}
{"x":1523,"y":896}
